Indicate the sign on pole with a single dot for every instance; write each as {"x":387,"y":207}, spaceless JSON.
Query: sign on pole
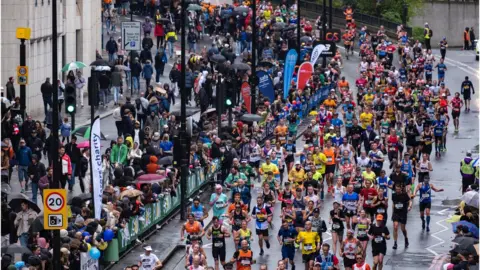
{"x":22,"y":75}
{"x":131,"y":36}
{"x":55,"y":209}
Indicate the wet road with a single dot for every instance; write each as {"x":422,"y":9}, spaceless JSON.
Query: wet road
{"x":426,"y":249}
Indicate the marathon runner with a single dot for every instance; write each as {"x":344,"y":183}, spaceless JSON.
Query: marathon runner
{"x":401,"y":205}
{"x":425,"y":190}
{"x":379,"y":233}
{"x":218,"y":233}
{"x":263,"y":216}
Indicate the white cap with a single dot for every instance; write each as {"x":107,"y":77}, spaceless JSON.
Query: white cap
{"x":148,"y":248}
{"x":297,"y":163}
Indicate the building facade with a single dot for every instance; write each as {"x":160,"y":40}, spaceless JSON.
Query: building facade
{"x":79,"y":29}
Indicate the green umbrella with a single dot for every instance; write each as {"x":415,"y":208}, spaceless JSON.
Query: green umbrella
{"x":84,"y":132}
{"x":73,"y":66}
{"x":194,"y":7}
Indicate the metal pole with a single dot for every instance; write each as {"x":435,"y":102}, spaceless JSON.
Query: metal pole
{"x":299,"y":44}
{"x":324,"y":30}
{"x":73,"y":120}
{"x":131,"y":77}
{"x":253,"y":86}
{"x":57,"y":168}
{"x":183,"y":121}
{"x":23,"y":92}
{"x":93,"y":100}
{"x":330,"y":14}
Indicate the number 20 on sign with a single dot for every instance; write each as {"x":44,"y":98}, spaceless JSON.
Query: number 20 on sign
{"x":55,"y":209}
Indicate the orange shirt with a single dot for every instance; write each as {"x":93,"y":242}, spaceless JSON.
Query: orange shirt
{"x":330,"y":153}
{"x":348,"y":14}
{"x":342,"y":84}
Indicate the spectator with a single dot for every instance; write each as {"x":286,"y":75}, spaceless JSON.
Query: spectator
{"x":112,"y":49}
{"x":119,"y":153}
{"x":66,"y":167}
{"x":75,"y":155}
{"x":47,"y":91}
{"x":23,"y":221}
{"x":10,"y":89}
{"x":24,"y":159}
{"x":36,"y":170}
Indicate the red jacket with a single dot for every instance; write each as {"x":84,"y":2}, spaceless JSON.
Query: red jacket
{"x":158,"y":31}
{"x":66,"y":165}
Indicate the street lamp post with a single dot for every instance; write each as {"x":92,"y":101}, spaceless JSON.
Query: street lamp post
{"x":23,"y":34}
{"x":253,"y":83}
{"x":183,"y":121}
{"x":299,"y":44}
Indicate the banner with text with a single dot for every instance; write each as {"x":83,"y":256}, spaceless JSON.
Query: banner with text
{"x":247,"y":98}
{"x":290,"y":62}
{"x":304,"y":74}
{"x":265,"y":85}
{"x":96,"y":166}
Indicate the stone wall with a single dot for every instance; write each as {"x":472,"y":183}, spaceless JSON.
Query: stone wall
{"x":79,"y":35}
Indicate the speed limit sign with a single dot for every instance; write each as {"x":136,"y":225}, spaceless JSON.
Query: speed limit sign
{"x":55,"y":209}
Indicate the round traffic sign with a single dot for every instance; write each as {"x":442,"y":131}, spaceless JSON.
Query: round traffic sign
{"x":22,"y":71}
{"x":55,"y":201}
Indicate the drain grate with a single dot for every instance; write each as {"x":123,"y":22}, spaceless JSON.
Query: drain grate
{"x":410,"y":260}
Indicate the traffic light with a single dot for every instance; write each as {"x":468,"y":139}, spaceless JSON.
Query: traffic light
{"x":229,"y":99}
{"x":70,"y":98}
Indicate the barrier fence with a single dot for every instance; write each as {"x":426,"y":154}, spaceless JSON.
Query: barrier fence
{"x":157,"y":212}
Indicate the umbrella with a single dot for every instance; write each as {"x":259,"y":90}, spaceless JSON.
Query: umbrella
{"x":16,"y":200}
{"x":189,"y":111}
{"x":84,"y":131}
{"x":250,"y":118}
{"x":99,"y":62}
{"x":209,"y":111}
{"x":240,"y":66}
{"x":471,"y":227}
{"x":14,"y":249}
{"x":194,"y":7}
{"x":241,"y":10}
{"x":103,"y":68}
{"x":289,"y":28}
{"x":130,"y":193}
{"x":306,"y":39}
{"x":279,"y":26}
{"x":37,"y":224}
{"x":218,"y":58}
{"x":79,"y":199}
{"x":73,"y":66}
{"x":471,"y":198}
{"x":85,"y":144}
{"x":465,"y":244}
{"x":266,"y":64}
{"x":150,"y":178}
{"x":166,"y":160}
{"x":122,"y":67}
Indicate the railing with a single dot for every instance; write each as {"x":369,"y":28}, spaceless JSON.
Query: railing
{"x":359,"y":17}
{"x":156,"y":212}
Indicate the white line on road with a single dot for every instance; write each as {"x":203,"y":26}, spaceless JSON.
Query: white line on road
{"x":439,"y":223}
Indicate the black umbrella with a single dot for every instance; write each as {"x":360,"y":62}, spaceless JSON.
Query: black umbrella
{"x":465,"y":244}
{"x":240,"y":66}
{"x":14,"y":249}
{"x":241,"y":10}
{"x":79,"y":199}
{"x":84,"y":132}
{"x":166,"y":160}
{"x":289,"y":28}
{"x":99,"y":62}
{"x":37,"y":224}
{"x":17,"y":199}
{"x":250,"y":117}
{"x":218,"y":58}
{"x":279,"y":26}
{"x":266,"y":64}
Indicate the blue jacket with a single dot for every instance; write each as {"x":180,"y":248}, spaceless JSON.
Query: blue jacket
{"x":189,"y":79}
{"x":147,"y":71}
{"x":24,"y":156}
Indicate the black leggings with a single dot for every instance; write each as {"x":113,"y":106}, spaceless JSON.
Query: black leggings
{"x":160,"y":41}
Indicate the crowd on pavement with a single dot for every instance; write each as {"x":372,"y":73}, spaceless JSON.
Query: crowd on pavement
{"x":397,"y":114}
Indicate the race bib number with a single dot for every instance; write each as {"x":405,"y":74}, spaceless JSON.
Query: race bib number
{"x":425,"y":196}
{"x":218,"y":245}
{"x":358,"y":185}
{"x":368,"y":202}
{"x":329,"y":159}
{"x":336,"y":226}
{"x":362,"y":233}
{"x":281,"y":138}
{"x":380,"y":210}
{"x":245,"y":262}
{"x":219,"y":204}
{"x":308,"y":247}
{"x":398,"y":205}
{"x":346,"y":175}
{"x":378,"y":239}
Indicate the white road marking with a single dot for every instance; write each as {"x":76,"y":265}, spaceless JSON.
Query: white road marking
{"x":439,"y":223}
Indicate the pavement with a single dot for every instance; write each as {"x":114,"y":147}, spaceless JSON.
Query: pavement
{"x":426,"y":249}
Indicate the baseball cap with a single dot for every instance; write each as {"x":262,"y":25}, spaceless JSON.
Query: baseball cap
{"x":316,"y":210}
{"x":148,"y":248}
{"x":297,"y":163}
{"x":336,"y":202}
{"x":243,"y":161}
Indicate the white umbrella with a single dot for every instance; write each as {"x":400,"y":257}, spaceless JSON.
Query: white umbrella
{"x":102,"y":68}
{"x":470,"y":198}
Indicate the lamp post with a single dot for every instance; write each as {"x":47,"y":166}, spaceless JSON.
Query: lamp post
{"x":299,"y":44}
{"x":184,"y":141}
{"x":253,"y":82}
{"x":22,"y":71}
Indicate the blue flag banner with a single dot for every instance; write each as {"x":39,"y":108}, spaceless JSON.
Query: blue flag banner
{"x":290,"y":62}
{"x":265,"y":85}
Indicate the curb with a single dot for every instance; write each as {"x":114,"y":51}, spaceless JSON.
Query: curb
{"x":103,"y":115}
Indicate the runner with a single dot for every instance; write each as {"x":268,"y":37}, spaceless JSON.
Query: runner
{"x":326,"y":259}
{"x":337,"y":217}
{"x":219,"y":202}
{"x":378,"y":232}
{"x":310,"y":242}
{"x":457,"y":105}
{"x":237,"y":217}
{"x":401,"y":204}
{"x":360,"y":263}
{"x":218,"y":233}
{"x":381,"y":205}
{"x":425,"y":190}
{"x":199,"y":212}
{"x":351,"y":247}
{"x":466,"y":88}
{"x":350,"y":201}
{"x":243,"y":257}
{"x":329,"y":152}
{"x":194,"y":231}
{"x":286,"y":237}
{"x":148,"y":260}
{"x":367,"y":195}
{"x":363,"y":224}
{"x":263,"y":216}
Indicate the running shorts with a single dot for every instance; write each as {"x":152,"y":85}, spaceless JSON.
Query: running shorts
{"x":425,"y":205}
{"x":330,"y":169}
{"x":219,"y":253}
{"x":262,"y":232}
{"x":288,"y":252}
{"x":400,"y":219}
